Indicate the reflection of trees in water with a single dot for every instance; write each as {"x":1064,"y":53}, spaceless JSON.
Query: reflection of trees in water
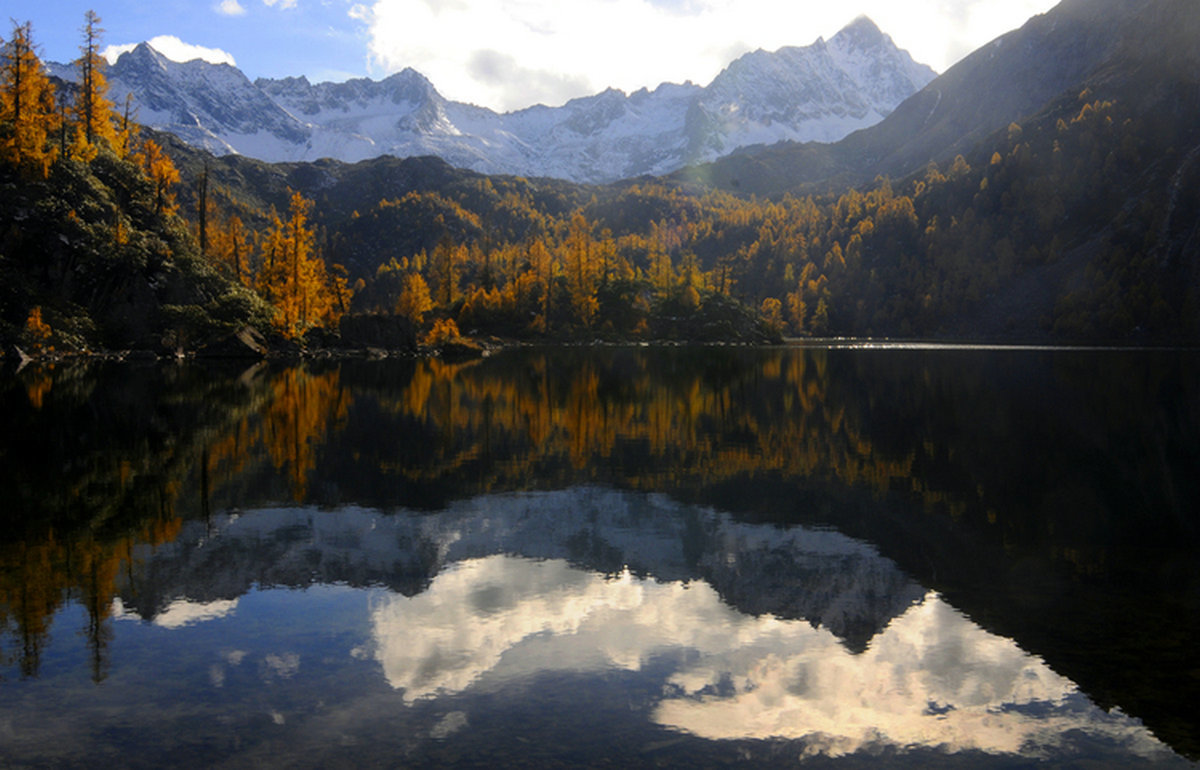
{"x":648,"y":420}
{"x":39,"y":576}
{"x":300,"y":411}
{"x":1079,"y":462}
{"x":117,"y":458}
{"x":655,"y":420}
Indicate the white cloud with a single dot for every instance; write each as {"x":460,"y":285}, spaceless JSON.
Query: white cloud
{"x":282,"y":4}
{"x":230,"y":8}
{"x":508,"y":54}
{"x":174,"y":49}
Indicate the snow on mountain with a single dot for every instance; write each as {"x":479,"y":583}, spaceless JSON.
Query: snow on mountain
{"x":213,"y":106}
{"x":820,"y":92}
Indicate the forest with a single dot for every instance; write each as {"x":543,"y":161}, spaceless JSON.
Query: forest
{"x":1038,"y":239}
{"x":734,"y":428}
{"x":94,"y":250}
{"x":115,"y":241}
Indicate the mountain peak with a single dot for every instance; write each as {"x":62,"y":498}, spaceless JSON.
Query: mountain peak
{"x":860,"y":33}
{"x":817,"y":93}
{"x":862,"y":24}
{"x":142,"y":55}
{"x":410,"y":86}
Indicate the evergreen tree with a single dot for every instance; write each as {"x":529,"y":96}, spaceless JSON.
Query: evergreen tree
{"x":202,"y":210}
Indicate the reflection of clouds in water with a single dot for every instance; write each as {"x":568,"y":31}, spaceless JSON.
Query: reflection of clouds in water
{"x":282,"y":665}
{"x":449,"y":725}
{"x":180,"y":612}
{"x":931,"y":678}
{"x":477,"y":611}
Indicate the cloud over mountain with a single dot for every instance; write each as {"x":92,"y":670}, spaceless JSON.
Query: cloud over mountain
{"x":553,"y":52}
{"x":175,"y":49}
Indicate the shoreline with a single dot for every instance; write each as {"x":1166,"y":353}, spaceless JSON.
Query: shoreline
{"x":473,"y":349}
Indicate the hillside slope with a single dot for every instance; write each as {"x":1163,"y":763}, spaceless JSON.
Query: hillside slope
{"x":1009,"y":79}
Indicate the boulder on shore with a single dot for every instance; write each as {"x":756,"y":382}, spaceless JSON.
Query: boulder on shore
{"x":246,"y":342}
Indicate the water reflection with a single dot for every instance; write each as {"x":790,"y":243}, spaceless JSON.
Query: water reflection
{"x":930,"y":679}
{"x":180,"y":612}
{"x":196,"y":516}
{"x":512,"y":611}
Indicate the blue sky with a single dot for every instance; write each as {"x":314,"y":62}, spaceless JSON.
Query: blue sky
{"x":509,"y":54}
{"x":317,"y":38}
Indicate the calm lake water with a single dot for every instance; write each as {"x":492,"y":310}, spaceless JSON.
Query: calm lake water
{"x":605,"y":557}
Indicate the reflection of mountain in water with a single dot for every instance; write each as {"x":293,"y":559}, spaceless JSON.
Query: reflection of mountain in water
{"x":832,"y":581}
{"x":930,"y":679}
{"x":758,"y":632}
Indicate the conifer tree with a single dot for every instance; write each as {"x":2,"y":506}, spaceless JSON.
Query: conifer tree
{"x":162,"y":173}
{"x":128,"y":133}
{"x":302,"y":280}
{"x":581,"y":270}
{"x":93,"y":111}
{"x":662,"y":274}
{"x":542,"y":267}
{"x":444,"y":266}
{"x":27,"y":105}
{"x":294,"y":279}
{"x":414,"y":301}
{"x":202,"y":210}
{"x":231,"y":248}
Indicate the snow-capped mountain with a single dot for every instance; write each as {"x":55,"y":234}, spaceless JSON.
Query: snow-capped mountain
{"x":820,"y":92}
{"x":213,"y":106}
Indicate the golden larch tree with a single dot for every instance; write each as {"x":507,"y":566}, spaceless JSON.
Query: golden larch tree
{"x":293,"y":278}
{"x":445,"y":265}
{"x":231,"y":248}
{"x":27,"y":106}
{"x":93,"y":112}
{"x":127,"y":134}
{"x":414,"y":301}
{"x":541,"y":267}
{"x":772,"y":314}
{"x":162,"y":173}
{"x":582,"y":270}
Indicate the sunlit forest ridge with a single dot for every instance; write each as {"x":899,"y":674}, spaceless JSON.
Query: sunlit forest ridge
{"x":1052,"y":228}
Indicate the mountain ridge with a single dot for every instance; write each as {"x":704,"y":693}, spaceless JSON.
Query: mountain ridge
{"x":818,"y":92}
{"x":1007,"y":80}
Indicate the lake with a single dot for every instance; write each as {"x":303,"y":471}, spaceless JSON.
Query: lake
{"x":683,"y":556}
